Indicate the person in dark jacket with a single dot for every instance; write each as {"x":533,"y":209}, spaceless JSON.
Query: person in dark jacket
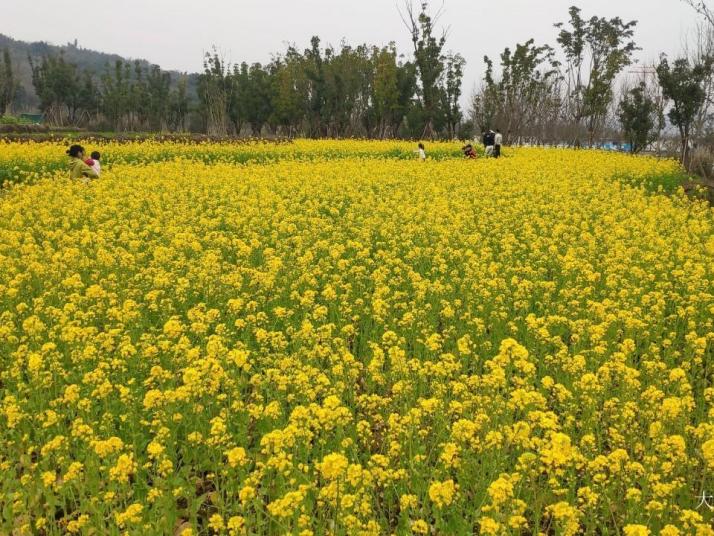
{"x":489,"y":139}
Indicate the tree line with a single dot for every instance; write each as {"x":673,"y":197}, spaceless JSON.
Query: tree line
{"x":340,"y":91}
{"x":569,"y":93}
{"x":575,"y":92}
{"x":333,"y":92}
{"x":322,"y":91}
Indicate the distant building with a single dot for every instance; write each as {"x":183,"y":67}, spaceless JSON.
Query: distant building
{"x":35,"y":119}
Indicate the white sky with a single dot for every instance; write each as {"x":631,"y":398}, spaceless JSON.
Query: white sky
{"x":175,"y":33}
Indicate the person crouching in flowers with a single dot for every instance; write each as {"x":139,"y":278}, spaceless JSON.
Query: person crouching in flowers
{"x":469,"y":151}
{"x":78,"y":169}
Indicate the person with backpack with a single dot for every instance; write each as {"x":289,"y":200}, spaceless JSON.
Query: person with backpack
{"x":489,"y":139}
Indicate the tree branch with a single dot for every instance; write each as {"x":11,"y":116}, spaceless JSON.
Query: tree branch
{"x":702,"y":8}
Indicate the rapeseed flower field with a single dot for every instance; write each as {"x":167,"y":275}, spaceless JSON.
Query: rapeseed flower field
{"x":23,"y":162}
{"x":344,"y":340}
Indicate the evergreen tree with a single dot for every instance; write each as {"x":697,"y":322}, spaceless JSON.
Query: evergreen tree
{"x":290,"y":92}
{"x":451,"y":93}
{"x":157,"y":95}
{"x":256,"y":96}
{"x":384,"y":92}
{"x":8,"y":85}
{"x":429,"y":61}
{"x":116,"y":95}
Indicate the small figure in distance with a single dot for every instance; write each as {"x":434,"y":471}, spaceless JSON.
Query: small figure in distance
{"x":498,"y":141}
{"x":468,"y":151}
{"x":93,"y":162}
{"x":489,"y":138}
{"x":422,"y":152}
{"x":78,"y":169}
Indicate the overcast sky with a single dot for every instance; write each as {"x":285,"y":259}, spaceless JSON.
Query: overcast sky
{"x":175,"y":33}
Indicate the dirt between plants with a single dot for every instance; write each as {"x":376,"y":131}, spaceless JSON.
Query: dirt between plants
{"x":700,"y":188}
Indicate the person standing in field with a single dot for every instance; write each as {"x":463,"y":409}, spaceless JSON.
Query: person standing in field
{"x":488,"y":141}
{"x":78,"y":169}
{"x":497,"y":141}
{"x":422,"y":152}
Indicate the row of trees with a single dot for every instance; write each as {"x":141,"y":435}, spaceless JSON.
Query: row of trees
{"x":547,"y":94}
{"x":320,"y":91}
{"x":337,"y":92}
{"x":569,"y":93}
{"x":344,"y":92}
{"x":127,"y":96}
{"x":680,"y":89}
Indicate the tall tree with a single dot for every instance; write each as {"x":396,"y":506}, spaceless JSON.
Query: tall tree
{"x":485,"y":101}
{"x":237,"y":103}
{"x":116,"y":94}
{"x":290,"y":91}
{"x":385,"y":90}
{"x":214,"y":87}
{"x":683,"y":85}
{"x":178,"y":106}
{"x":429,"y":60}
{"x":640,"y":117}
{"x":255,"y":95}
{"x":596,"y":51}
{"x":138,"y":98}
{"x":698,"y":48}
{"x":314,"y":69}
{"x":407,"y":85}
{"x":518,"y":99}
{"x":348,"y":76}
{"x":8,"y":84}
{"x":158,"y":91}
{"x":82,"y":101}
{"x":451,"y":93}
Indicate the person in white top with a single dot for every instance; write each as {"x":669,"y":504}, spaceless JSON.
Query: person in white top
{"x":498,"y":141}
{"x":488,"y":142}
{"x":422,"y":152}
{"x":93,"y":162}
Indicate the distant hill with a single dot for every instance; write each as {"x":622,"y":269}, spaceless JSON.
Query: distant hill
{"x":86,"y":59}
